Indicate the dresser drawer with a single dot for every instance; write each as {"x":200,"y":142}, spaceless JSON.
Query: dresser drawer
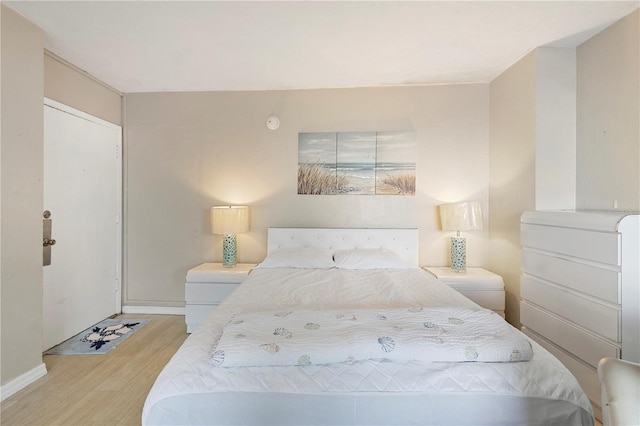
{"x":603,"y":247}
{"x":583,"y":345}
{"x":208,"y":293}
{"x":586,"y":375}
{"x":589,"y":279}
{"x":601,"y":319}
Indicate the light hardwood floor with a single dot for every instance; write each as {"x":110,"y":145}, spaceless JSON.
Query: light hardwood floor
{"x":100,"y":390}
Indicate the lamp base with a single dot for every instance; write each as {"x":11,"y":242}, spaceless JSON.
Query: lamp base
{"x":229,"y":251}
{"x":458,"y":254}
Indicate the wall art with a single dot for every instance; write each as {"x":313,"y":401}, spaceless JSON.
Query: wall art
{"x":357,"y":163}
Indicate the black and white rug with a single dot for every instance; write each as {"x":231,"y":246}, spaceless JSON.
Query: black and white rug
{"x":99,"y":339}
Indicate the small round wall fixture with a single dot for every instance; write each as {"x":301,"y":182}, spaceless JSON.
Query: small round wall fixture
{"x":273,"y":122}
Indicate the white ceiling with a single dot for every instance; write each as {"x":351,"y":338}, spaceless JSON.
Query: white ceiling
{"x":150,"y":46}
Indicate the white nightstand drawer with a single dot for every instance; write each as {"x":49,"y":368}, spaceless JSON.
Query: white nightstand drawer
{"x":217,"y":273}
{"x":493,"y":299}
{"x":208,"y":293}
{"x":195,"y":314}
{"x":481,"y":286}
{"x":207,"y":285}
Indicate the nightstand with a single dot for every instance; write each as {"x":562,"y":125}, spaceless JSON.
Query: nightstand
{"x":482,"y":286}
{"x":207,"y":285}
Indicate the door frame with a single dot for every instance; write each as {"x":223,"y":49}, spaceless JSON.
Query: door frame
{"x":118,"y":160}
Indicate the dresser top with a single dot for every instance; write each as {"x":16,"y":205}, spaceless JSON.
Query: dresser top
{"x":582,"y":219}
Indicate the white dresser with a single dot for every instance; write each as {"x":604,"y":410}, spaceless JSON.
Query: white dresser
{"x":482,"y":286}
{"x":206,"y":286}
{"x":580,"y":288}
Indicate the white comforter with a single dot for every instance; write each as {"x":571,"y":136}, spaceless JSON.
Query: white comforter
{"x":306,"y":337}
{"x":191,"y":390}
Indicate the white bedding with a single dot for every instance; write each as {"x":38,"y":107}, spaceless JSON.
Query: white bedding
{"x":306,"y":337}
{"x":191,"y":390}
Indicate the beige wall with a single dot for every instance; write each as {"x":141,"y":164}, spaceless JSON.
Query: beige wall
{"x":609,"y":118}
{"x":21,"y":193}
{"x":512,"y":171}
{"x":189,"y":151}
{"x":27,"y":77}
{"x":532,"y":153}
{"x":555,"y":185}
{"x":564,"y":133}
{"x":68,"y":85}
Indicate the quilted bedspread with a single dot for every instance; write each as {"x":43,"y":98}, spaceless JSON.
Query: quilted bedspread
{"x":305,"y":337}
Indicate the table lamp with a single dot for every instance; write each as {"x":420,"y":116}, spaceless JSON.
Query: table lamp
{"x":465,"y":216}
{"x":229,"y":221}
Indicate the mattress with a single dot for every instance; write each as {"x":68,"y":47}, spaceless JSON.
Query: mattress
{"x":191,"y":390}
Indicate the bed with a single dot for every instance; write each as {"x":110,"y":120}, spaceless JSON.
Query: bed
{"x":325,"y":278}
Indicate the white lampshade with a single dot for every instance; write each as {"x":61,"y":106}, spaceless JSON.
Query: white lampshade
{"x":229,"y":219}
{"x":465,"y":216}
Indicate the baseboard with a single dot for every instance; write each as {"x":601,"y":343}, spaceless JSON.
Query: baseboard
{"x":22,"y":381}
{"x":153,"y":310}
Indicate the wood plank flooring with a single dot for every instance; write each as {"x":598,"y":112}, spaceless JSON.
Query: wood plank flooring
{"x":100,"y":390}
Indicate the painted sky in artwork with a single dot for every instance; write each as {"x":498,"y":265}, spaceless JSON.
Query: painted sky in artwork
{"x":317,"y":148}
{"x":396,"y":147}
{"x":357,"y":147}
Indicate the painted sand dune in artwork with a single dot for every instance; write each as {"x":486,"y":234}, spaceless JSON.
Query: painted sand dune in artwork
{"x":398,"y":184}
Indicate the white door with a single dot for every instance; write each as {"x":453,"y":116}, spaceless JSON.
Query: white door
{"x":82,"y":190}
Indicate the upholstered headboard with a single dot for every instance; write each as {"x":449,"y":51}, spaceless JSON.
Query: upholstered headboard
{"x":403,"y":242}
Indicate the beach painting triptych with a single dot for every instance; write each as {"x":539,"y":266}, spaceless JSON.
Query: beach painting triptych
{"x":357,"y":163}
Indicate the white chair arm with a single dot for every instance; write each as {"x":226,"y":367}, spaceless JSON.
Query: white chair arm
{"x":620,"y":382}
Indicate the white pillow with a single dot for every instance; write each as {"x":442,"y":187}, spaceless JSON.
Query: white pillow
{"x":369,"y":259}
{"x":299,"y":257}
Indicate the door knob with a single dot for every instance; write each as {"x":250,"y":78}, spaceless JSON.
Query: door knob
{"x":47,"y":241}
